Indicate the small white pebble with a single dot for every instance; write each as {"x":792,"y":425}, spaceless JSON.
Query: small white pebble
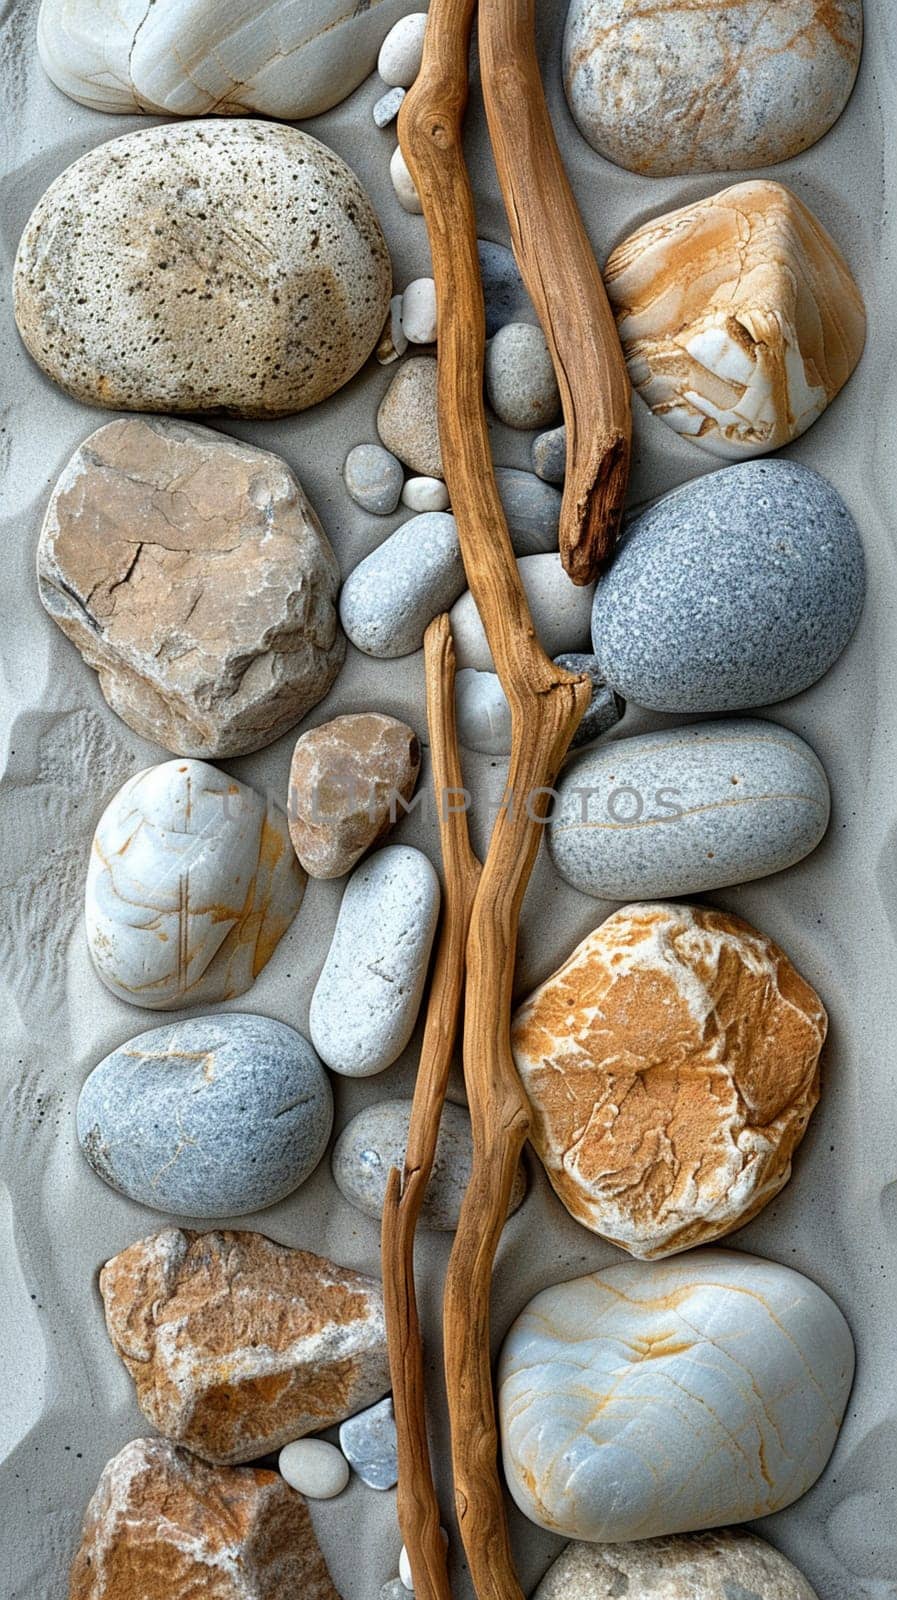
{"x":392,"y":342}
{"x":314,"y":1468}
{"x":386,"y":109}
{"x":403,"y":183}
{"x":402,"y":50}
{"x":405,"y":1564}
{"x":419,"y":311}
{"x":425,"y":494}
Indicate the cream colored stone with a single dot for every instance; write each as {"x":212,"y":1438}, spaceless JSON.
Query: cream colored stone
{"x":672,"y":1066}
{"x":348,"y":779}
{"x":164,"y":1526}
{"x":702,"y":1566}
{"x":194,"y":577}
{"x":191,"y":884}
{"x":237,"y":1345}
{"x":739,"y":318}
{"x":232,"y":266}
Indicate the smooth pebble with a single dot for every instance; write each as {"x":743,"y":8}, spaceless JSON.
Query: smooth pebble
{"x":723,"y":1565}
{"x":520,"y":383}
{"x":374,"y":478}
{"x":504,"y":290}
{"x":408,"y":419}
{"x":403,"y":183}
{"x":366,"y":1000}
{"x":688,"y":809}
{"x":405,"y":1577}
{"x":532,"y":510}
{"x":425,"y":494}
{"x":419,"y":311}
{"x":402,"y":50}
{"x":370,"y":1444}
{"x":386,"y":109}
{"x":560,"y":610}
{"x":392,"y":342}
{"x":484,"y":716}
{"x":390,"y":598}
{"x":314,"y":1468}
{"x":550,"y":455}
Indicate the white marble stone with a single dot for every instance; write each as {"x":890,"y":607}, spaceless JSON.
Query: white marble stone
{"x":400,"y":53}
{"x":419,"y":311}
{"x":425,"y":494}
{"x":560,"y":609}
{"x":314,"y":1468}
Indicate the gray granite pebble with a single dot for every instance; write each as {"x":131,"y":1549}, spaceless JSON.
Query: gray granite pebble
{"x":388,"y":601}
{"x":550,"y":455}
{"x":370,"y":1445}
{"x":605,"y":707}
{"x":532,"y":509}
{"x":734,"y":591}
{"x":503,"y":288}
{"x":375,"y":1141}
{"x":386,"y":109}
{"x":687,"y":810}
{"x":374,"y":478}
{"x":520,"y":383}
{"x":214,"y":1117}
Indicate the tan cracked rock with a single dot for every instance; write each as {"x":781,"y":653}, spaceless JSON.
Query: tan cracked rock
{"x":348,"y":778}
{"x":739,"y":318}
{"x":672,"y":1066}
{"x":238,"y":1345}
{"x":164,"y":1526}
{"x":193,"y":575}
{"x":407,"y":421}
{"x":701,"y":1566}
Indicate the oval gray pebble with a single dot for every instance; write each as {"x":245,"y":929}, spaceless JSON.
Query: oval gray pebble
{"x":374,"y":478}
{"x":520,"y":381}
{"x":550,"y":455}
{"x":392,"y":595}
{"x":687,"y":810}
{"x":504,"y":290}
{"x":375,"y":1141}
{"x":532,"y":510}
{"x":735,"y":591}
{"x":214,"y":1117}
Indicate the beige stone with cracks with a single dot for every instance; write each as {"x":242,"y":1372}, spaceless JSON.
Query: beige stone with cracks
{"x":348,"y":780}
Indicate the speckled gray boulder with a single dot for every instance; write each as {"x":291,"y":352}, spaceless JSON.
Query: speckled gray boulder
{"x":688,"y":809}
{"x":504,"y":290}
{"x":367,"y":997}
{"x":701,"y":1566}
{"x":375,"y":1141}
{"x":532,"y":510}
{"x":734,"y":591}
{"x":232,"y":266}
{"x":374,"y":478}
{"x":213,"y":1117}
{"x":396,"y":591}
{"x":370,"y":1444}
{"x":520,"y":383}
{"x":604,"y":709}
{"x":550,"y":455}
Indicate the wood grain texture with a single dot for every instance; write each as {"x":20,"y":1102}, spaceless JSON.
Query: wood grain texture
{"x":546,"y":706}
{"x":560,"y":271}
{"x":418,"y":1506}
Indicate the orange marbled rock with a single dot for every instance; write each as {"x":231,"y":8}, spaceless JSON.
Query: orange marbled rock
{"x":164,"y":1526}
{"x":238,"y":1345}
{"x":672,"y":1066}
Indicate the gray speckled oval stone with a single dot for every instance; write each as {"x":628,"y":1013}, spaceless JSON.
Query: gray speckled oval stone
{"x":213,"y":1117}
{"x":504,"y":290}
{"x":734,"y":591}
{"x":700,"y":1566}
{"x":375,"y":1141}
{"x":688,"y":809}
{"x":532,"y":509}
{"x":388,"y":601}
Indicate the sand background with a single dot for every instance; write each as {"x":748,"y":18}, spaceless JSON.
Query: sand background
{"x":65,"y":1402}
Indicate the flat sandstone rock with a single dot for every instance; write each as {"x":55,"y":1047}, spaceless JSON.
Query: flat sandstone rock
{"x":164,"y":1526}
{"x":203,"y":266}
{"x":238,"y":1345}
{"x":739,"y":318}
{"x":672,"y":1066}
{"x":195,"y":578}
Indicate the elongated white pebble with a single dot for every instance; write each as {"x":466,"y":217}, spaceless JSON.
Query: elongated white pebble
{"x":386,"y":108}
{"x":403,"y":183}
{"x":405,"y":1565}
{"x":425,"y":494}
{"x":402,"y":50}
{"x":419,"y":311}
{"x":314,"y":1468}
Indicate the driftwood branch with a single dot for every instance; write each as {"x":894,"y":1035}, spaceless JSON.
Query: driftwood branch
{"x":546,"y":706}
{"x":560,"y":271}
{"x":417,"y":1503}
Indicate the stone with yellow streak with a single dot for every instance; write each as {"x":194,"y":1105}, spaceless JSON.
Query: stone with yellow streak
{"x":672,"y":1066}
{"x":238,"y":1345}
{"x":191,"y":884}
{"x":648,"y":1400}
{"x":739,"y":318}
{"x":164,"y":1526}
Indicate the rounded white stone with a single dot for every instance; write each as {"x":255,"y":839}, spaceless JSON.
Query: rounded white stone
{"x":402,"y":50}
{"x":403,"y":183}
{"x":366,"y":1000}
{"x":425,"y":494}
{"x":314,"y":1468}
{"x":560,"y":610}
{"x":725,"y":1565}
{"x":419,"y":311}
{"x":392,"y":342}
{"x":482,"y":711}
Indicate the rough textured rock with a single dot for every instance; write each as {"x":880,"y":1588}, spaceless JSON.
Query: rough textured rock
{"x":736,"y":590}
{"x":407,"y":421}
{"x":375,"y":1141}
{"x":213,"y":1117}
{"x":675,"y":88}
{"x":386,"y":109}
{"x":560,"y":610}
{"x":238,"y":1345}
{"x":520,"y":383}
{"x":191,"y":58}
{"x":672,"y":1067}
{"x":739,"y":318}
{"x":347,"y":780}
{"x":192,"y":882}
{"x":194,"y":577}
{"x":390,"y":598}
{"x":367,"y":997}
{"x":687,"y":809}
{"x":203,"y":266}
{"x":702,"y":1566}
{"x":163,"y":1523}
{"x":370,"y":1443}
{"x":605,"y":708}
{"x":653,"y":1399}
